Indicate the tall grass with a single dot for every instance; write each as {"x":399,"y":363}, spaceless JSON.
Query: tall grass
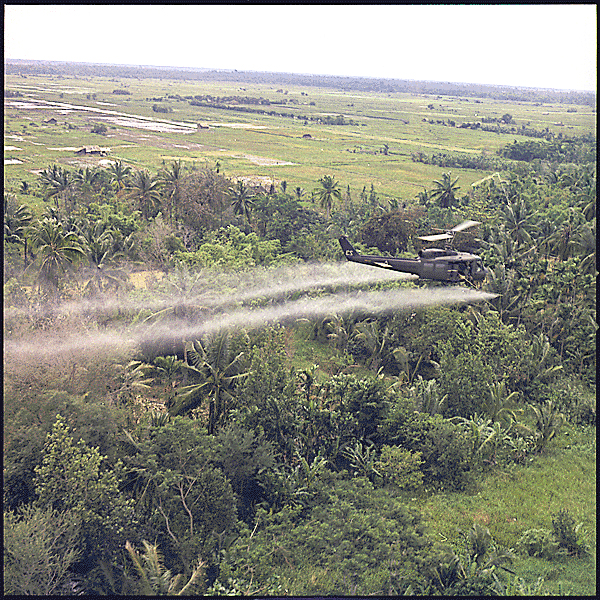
{"x":510,"y":501}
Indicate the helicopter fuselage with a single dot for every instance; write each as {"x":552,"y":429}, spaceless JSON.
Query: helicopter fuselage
{"x":433,"y":263}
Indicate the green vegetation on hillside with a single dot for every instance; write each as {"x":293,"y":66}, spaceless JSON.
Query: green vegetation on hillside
{"x":159,"y":441}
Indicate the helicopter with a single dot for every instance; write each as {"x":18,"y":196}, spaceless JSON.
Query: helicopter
{"x":438,"y":264}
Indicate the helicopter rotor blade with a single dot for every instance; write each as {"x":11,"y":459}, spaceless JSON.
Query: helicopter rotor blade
{"x":465,"y":225}
{"x":436,"y":237}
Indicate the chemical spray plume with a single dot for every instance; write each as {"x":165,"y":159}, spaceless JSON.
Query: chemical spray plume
{"x":376,"y":303}
{"x":212,"y":290}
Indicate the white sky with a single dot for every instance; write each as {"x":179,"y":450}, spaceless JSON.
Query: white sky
{"x":532,"y":45}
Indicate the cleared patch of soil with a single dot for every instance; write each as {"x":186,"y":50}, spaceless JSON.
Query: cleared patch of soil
{"x":261,"y":161}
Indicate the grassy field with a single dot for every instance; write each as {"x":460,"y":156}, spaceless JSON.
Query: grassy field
{"x":510,"y":503}
{"x":247,"y":144}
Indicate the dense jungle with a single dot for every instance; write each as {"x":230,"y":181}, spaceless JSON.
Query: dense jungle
{"x":199,"y":398}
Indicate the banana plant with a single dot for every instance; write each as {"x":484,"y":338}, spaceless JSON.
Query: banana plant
{"x":497,"y":404}
{"x":362,"y":459}
{"x":427,"y":396}
{"x":548,"y":421}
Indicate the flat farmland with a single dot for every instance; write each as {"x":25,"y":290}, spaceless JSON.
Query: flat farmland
{"x":48,"y":117}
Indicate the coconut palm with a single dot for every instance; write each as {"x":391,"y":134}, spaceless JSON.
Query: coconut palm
{"x":119,"y":174}
{"x":16,"y":221}
{"x":86,"y":179}
{"x":155,"y":579}
{"x":445,"y":191}
{"x":563,"y":241}
{"x":57,"y":183}
{"x":241,"y":200}
{"x":584,"y":244}
{"x":56,"y":252}
{"x":218,"y":368}
{"x":171,"y":177}
{"x":328,"y":191}
{"x":518,"y":221}
{"x":99,"y":245}
{"x":145,"y":190}
{"x":375,"y":342}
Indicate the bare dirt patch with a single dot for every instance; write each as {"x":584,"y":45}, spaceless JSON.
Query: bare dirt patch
{"x":262,"y":161}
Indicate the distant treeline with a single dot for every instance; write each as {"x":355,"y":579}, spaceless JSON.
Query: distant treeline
{"x":505,"y":129}
{"x":580,"y":150}
{"x":27,"y":67}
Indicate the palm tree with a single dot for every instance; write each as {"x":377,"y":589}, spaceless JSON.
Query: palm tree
{"x":241,"y":200}
{"x":119,"y":174}
{"x":16,"y":221}
{"x":518,"y":220}
{"x":57,"y":183}
{"x":57,"y":251}
{"x":155,"y":579}
{"x":584,"y":243}
{"x":562,"y":240}
{"x":99,"y":246}
{"x":145,"y":190}
{"x":171,"y":178}
{"x":375,"y":342}
{"x":218,"y":368}
{"x":445,"y":191}
{"x":329,"y":190}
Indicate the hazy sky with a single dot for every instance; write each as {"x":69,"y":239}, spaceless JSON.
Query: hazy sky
{"x":522,"y":45}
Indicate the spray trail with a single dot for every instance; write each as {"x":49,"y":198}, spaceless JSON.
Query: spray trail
{"x":213,"y":290}
{"x":376,"y":303}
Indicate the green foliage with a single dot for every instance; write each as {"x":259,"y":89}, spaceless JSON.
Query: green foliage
{"x":400,"y":467}
{"x":548,"y":421}
{"x":362,"y":460}
{"x":155,"y":580}
{"x":27,"y":423}
{"x":243,"y":458}
{"x":40,"y":546}
{"x":473,"y":572}
{"x":182,"y":497}
{"x":445,"y":448}
{"x":73,"y":477}
{"x":538,"y":542}
{"x":465,"y":378}
{"x":231,"y":250}
{"x":391,"y":232}
{"x":366,"y":540}
{"x":567,"y":533}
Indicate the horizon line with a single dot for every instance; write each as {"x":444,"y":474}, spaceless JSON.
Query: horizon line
{"x":233,"y":70}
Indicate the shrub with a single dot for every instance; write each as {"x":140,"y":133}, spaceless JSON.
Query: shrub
{"x":400,"y":467}
{"x":566,"y":533}
{"x":539,"y":543}
{"x":40,"y":545}
{"x":445,"y":449}
{"x":363,"y":538}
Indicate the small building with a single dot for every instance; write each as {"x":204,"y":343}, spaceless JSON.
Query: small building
{"x":93,"y":150}
{"x":51,"y":121}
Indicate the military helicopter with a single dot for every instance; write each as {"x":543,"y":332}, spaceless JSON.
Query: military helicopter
{"x":439,"y":264}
